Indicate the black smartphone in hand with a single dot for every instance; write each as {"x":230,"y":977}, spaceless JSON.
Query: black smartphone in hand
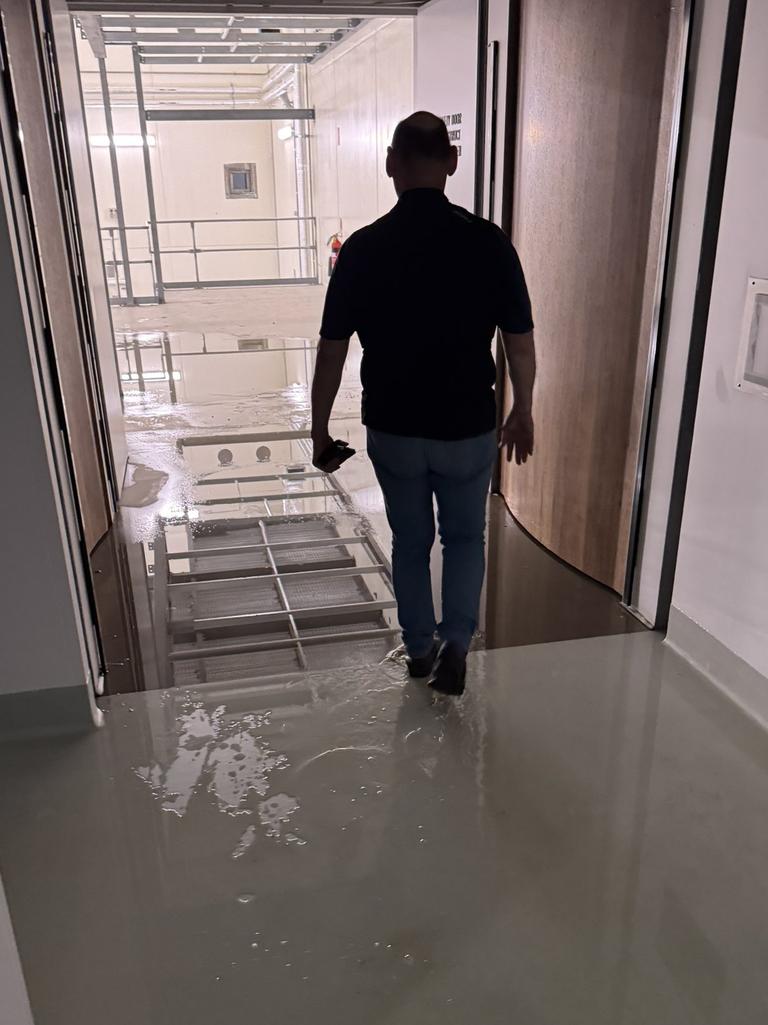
{"x":337,"y":450}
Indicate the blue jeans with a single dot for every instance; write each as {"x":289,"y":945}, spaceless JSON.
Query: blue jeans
{"x":457,"y":473}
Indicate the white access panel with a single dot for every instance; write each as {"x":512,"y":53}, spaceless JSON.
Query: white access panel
{"x":752,"y":365}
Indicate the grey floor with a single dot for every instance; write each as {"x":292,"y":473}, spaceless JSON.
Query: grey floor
{"x":581,"y":840}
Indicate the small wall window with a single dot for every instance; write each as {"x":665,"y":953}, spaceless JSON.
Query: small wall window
{"x":752,"y":372}
{"x":240,"y":181}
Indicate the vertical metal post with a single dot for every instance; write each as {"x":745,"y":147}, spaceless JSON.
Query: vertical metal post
{"x":156,"y":255}
{"x":298,"y":175}
{"x":168,"y":361}
{"x":124,"y":255}
{"x":160,"y":611}
{"x":482,"y":48}
{"x":114,"y":262}
{"x":139,"y":363}
{"x":194,"y":252}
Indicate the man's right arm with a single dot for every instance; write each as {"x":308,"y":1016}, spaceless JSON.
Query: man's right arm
{"x":515,"y":322}
{"x":339,"y":323}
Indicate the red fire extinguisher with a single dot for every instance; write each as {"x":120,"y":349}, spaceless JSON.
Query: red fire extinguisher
{"x":335,"y":243}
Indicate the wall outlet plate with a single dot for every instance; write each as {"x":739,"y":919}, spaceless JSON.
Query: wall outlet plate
{"x":752,"y":364}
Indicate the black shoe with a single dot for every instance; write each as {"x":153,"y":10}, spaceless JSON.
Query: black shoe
{"x":421,"y":666}
{"x":449,"y":671}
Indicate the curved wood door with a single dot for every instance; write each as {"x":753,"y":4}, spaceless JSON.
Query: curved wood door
{"x":598,"y":83}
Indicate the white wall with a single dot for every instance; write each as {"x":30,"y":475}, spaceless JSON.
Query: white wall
{"x":188,"y":161}
{"x":696,"y":149}
{"x":446,"y":80}
{"x":188,"y":173}
{"x":722,"y":573}
{"x":360,"y":91}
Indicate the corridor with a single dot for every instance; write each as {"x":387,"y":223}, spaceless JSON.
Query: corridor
{"x":223,"y":797}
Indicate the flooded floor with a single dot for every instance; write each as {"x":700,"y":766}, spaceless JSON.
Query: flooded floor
{"x":581,"y":839}
{"x":244,"y":561}
{"x":256,"y":563}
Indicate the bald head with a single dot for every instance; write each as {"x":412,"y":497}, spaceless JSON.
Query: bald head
{"x":421,"y":154}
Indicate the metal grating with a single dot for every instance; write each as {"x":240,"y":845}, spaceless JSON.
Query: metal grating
{"x":250,"y":597}
{"x":236,"y":667}
{"x":316,"y":593}
{"x":246,"y":594}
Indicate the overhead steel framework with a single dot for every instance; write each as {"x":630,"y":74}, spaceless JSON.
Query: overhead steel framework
{"x":195,"y":40}
{"x":224,"y":39}
{"x":344,"y":8}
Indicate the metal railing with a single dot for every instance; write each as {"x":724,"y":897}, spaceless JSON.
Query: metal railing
{"x":141,"y":264}
{"x":122,"y":266}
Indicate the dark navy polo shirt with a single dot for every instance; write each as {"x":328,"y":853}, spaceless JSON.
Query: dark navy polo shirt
{"x":425,"y":288}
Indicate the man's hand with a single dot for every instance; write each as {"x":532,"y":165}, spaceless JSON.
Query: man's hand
{"x":319,"y":445}
{"x":516,"y":435}
{"x":325,"y":385}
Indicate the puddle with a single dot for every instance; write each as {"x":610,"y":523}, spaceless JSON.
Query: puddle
{"x":276,"y":812}
{"x":228,"y":761}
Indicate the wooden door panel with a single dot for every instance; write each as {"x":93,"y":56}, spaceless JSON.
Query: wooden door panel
{"x":41,"y":171}
{"x":98,"y":309}
{"x":596,"y":102}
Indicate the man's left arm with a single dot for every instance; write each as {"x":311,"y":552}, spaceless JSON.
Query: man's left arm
{"x":329,"y":367}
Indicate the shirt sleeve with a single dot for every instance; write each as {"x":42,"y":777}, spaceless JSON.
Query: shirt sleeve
{"x":513,"y":304}
{"x":339,"y":314}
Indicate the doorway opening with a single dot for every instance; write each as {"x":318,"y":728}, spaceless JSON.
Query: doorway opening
{"x":220,"y":151}
{"x":230,"y":155}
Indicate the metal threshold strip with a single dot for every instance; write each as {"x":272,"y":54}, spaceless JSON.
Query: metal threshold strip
{"x":261,"y":477}
{"x":319,"y":542}
{"x":281,"y":496}
{"x":247,"y":647}
{"x":300,"y":574}
{"x":249,"y":618}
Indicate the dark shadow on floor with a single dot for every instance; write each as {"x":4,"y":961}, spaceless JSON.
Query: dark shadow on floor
{"x":534,"y":598}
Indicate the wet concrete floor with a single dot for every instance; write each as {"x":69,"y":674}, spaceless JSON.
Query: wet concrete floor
{"x":581,"y":840}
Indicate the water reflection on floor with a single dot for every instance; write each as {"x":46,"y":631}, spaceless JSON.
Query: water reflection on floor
{"x":259,"y":564}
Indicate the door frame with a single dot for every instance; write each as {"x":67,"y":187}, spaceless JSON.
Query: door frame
{"x":721,"y":139}
{"x":60,"y":145}
{"x":669,"y":222}
{"x":51,"y":404}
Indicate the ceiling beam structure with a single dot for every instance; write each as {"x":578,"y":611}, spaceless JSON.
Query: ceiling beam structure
{"x":111,"y":22}
{"x":191,"y":39}
{"x":277,"y":48}
{"x":165,"y":40}
{"x":205,"y":32}
{"x":406,"y":9}
{"x":230,"y":58}
{"x":286,"y":114}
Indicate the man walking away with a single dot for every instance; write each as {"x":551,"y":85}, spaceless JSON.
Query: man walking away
{"x":425,"y":288}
